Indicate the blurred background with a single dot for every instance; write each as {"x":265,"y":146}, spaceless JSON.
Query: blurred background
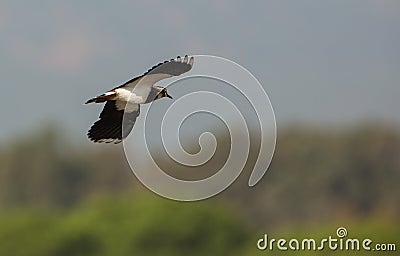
{"x":331,"y":70}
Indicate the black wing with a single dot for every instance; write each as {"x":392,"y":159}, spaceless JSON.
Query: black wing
{"x":166,"y":69}
{"x":109,"y":127}
{"x":172,"y":67}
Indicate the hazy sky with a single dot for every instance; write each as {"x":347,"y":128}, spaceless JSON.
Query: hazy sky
{"x":329,"y":62}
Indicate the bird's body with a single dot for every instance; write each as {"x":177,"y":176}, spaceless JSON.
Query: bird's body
{"x":127,"y":98}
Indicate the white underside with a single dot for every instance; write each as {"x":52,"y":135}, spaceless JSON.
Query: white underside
{"x":137,"y":96}
{"x":129,"y":99}
{"x":129,"y":96}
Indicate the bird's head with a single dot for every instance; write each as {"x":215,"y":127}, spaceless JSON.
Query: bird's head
{"x":162,"y":93}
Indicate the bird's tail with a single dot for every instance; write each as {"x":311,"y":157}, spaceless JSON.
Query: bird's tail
{"x":96,"y":100}
{"x":102,"y":98}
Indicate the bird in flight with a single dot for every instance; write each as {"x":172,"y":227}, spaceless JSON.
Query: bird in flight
{"x":128,"y":97}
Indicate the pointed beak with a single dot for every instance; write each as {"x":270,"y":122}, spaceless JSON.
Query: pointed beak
{"x":169,"y":96}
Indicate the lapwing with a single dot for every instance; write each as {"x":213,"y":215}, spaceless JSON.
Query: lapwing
{"x":128,"y":97}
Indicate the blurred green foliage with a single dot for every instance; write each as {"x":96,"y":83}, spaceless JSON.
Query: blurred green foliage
{"x":152,"y":226}
{"x":59,"y":199}
{"x":124,"y":226}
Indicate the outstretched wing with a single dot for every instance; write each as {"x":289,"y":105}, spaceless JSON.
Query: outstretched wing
{"x":110,"y":127}
{"x":166,"y":69}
